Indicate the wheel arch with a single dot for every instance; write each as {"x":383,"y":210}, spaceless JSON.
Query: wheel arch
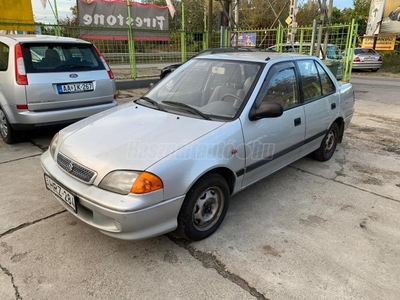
{"x":340,"y":122}
{"x":226,"y":173}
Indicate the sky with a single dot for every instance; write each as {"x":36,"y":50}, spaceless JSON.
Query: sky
{"x":45,"y":15}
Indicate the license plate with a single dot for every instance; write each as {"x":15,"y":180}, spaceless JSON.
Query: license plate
{"x":75,"y":87}
{"x":60,"y":192}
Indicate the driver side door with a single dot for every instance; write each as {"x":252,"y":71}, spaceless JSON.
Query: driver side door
{"x":272,"y":143}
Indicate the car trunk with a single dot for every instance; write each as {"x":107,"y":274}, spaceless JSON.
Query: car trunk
{"x":50,"y":91}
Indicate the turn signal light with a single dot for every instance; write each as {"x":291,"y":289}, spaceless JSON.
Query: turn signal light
{"x":146,"y":183}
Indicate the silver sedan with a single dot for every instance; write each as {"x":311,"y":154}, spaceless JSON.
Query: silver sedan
{"x":366,"y":58}
{"x":172,"y":159}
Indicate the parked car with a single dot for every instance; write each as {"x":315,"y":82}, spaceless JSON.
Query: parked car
{"x":170,"y":68}
{"x":172,"y":159}
{"x":333,"y":53}
{"x":367,"y":59}
{"x":46,"y":80}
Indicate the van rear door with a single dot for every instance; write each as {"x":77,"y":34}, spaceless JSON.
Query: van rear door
{"x":65,"y":75}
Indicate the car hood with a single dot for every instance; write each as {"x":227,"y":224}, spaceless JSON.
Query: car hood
{"x":132,"y":138}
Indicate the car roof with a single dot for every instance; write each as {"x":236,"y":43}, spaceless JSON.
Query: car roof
{"x":255,"y":56}
{"x":24,"y":38}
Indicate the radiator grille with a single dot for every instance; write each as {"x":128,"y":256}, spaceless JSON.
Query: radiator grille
{"x":74,"y":169}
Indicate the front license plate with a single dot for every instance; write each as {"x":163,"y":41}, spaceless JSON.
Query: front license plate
{"x":60,"y":192}
{"x":75,"y":87}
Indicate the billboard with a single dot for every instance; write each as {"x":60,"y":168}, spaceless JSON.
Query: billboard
{"x":149,"y":22}
{"x":16,"y":15}
{"x":375,"y":17}
{"x":384,"y":17}
{"x":391,"y":17}
{"x":383,"y":42}
{"x":246,"y":39}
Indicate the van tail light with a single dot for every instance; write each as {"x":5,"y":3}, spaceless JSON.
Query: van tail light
{"x":20,"y":72}
{"x":22,"y":106}
{"x":357,"y":59}
{"x":110,"y":73}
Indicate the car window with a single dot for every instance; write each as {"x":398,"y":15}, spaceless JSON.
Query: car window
{"x":4,"y":52}
{"x":326,"y":83}
{"x":310,"y":81}
{"x":44,"y":57}
{"x":282,"y":89}
{"x":280,"y":86}
{"x":332,"y":52}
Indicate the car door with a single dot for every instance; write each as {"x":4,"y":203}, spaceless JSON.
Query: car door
{"x":272,"y":143}
{"x":321,"y":103}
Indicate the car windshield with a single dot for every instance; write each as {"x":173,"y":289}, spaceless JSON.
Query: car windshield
{"x":209,"y":87}
{"x":61,"y":57}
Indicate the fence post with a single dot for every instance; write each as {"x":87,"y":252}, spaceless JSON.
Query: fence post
{"x":131,"y":45}
{"x":183,"y":35}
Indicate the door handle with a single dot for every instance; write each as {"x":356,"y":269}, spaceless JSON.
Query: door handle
{"x":297,"y":121}
{"x":333,"y":106}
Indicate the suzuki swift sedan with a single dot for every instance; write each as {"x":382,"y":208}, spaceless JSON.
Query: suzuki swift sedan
{"x":171,"y":160}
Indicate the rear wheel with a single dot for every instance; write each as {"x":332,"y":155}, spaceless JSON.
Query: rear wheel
{"x":204,"y":208}
{"x":328,"y":144}
{"x":374,"y":70}
{"x":8,"y":133}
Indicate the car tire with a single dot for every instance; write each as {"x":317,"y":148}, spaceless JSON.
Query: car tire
{"x":8,"y":133}
{"x":375,"y":70}
{"x":204,"y":208}
{"x":328,"y":144}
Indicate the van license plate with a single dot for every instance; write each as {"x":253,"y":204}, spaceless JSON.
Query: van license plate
{"x":60,"y":192}
{"x":75,"y":87}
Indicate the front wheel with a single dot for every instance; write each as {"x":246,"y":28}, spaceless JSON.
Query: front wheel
{"x":328,"y":144}
{"x":204,"y":208}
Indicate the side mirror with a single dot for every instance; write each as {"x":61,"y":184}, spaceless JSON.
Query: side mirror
{"x":266,"y":110}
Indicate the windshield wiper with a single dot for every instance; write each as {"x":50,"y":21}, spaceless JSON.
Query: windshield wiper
{"x":188,"y":108}
{"x":151,"y":101}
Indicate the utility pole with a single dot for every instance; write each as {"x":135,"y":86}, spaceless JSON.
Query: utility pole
{"x":330,"y":8}
{"x":322,"y":7}
{"x":291,"y":21}
{"x":210,"y":22}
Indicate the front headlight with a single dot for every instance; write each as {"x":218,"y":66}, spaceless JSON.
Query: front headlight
{"x":53,"y":146}
{"x":125,"y":182}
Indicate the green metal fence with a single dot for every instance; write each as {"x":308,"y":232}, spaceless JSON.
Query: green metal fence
{"x":133,"y":58}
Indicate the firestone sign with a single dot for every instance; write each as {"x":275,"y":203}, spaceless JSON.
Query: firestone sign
{"x":150,"y":22}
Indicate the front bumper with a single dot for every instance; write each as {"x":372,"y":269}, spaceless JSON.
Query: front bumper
{"x":115,"y":219}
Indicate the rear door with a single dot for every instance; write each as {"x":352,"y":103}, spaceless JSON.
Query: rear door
{"x":321,"y":102}
{"x":65,"y":75}
{"x":273,"y":143}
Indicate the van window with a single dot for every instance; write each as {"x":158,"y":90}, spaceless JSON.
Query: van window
{"x":4,"y":51}
{"x":42,"y":58}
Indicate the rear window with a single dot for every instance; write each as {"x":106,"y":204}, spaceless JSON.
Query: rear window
{"x":42,"y":58}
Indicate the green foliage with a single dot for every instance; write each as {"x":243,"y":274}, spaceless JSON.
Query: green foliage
{"x":391,"y":61}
